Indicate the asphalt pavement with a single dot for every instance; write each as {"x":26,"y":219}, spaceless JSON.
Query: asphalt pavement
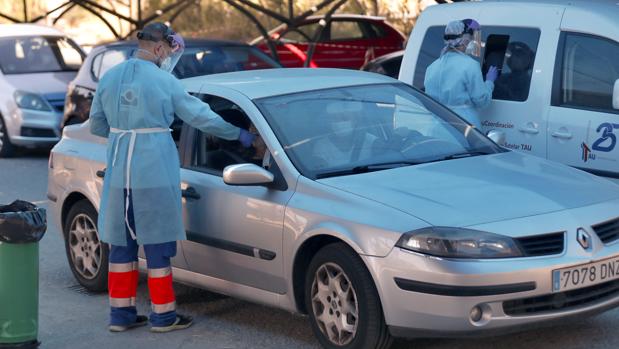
{"x":71,"y":317}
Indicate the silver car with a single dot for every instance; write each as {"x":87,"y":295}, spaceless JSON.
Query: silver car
{"x":36,"y":65}
{"x":370,"y":207}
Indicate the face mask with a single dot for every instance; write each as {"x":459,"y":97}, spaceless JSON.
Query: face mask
{"x":342,"y":128}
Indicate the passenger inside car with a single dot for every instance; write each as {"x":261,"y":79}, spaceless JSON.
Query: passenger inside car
{"x":514,"y":85}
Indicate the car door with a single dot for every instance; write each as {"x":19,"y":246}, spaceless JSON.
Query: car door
{"x":522,"y":92}
{"x":583,"y":128}
{"x":234,"y":232}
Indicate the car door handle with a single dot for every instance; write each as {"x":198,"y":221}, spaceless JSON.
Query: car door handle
{"x":529,"y":130}
{"x":562,"y":135}
{"x":190,"y":193}
{"x":101,"y":173}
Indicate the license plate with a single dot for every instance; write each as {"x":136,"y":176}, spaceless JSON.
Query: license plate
{"x":585,"y":274}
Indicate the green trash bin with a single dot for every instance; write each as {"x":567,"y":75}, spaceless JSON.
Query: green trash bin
{"x":22,"y":225}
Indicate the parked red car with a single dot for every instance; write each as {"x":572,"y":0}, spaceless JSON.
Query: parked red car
{"x":349,"y":41}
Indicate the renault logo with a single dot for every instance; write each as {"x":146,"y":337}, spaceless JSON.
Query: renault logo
{"x":584,"y":239}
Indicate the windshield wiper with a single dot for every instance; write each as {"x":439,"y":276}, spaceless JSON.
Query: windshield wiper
{"x":465,"y":155}
{"x":367,"y":168}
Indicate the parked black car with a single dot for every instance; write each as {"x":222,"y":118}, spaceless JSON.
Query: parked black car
{"x":201,"y":57}
{"x":388,"y":64}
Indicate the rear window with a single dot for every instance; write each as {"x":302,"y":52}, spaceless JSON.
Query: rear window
{"x":198,"y":61}
{"x":39,"y":54}
{"x":346,"y":30}
{"x":195,"y":61}
{"x":511,"y":49}
{"x":109,"y":58}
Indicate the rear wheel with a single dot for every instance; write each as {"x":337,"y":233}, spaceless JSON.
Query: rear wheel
{"x":6,"y":148}
{"x":87,"y":255}
{"x":342,"y":301}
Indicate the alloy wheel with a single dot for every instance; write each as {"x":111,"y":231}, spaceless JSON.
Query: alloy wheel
{"x":85,"y":246}
{"x":334,"y":303}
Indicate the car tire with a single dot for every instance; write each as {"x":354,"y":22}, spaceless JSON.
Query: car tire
{"x":355,"y":301}
{"x":87,"y":255}
{"x":7,"y":149}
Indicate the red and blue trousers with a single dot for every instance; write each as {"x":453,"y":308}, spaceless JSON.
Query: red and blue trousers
{"x":123,"y":280}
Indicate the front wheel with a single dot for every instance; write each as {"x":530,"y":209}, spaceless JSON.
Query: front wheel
{"x":87,"y":255}
{"x":6,"y":148}
{"x":342,"y":301}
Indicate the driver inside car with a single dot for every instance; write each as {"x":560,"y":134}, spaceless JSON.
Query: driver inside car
{"x":345,"y":142}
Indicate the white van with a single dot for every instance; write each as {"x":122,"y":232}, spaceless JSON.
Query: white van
{"x":558,"y":93}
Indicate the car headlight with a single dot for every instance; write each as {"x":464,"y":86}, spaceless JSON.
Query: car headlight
{"x":459,"y":243}
{"x":28,"y":100}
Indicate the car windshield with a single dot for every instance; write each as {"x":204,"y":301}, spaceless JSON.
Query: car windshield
{"x":221,"y":59}
{"x":38,"y":54}
{"x":368,"y":128}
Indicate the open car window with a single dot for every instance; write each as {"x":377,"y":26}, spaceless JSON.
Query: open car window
{"x":212,"y":154}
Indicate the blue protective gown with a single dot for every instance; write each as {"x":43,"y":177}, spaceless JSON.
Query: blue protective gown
{"x":136,"y":94}
{"x":455,"y":80}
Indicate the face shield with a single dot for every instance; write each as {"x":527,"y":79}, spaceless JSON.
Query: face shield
{"x":177,"y":47}
{"x":473,"y":48}
{"x":472,"y":31}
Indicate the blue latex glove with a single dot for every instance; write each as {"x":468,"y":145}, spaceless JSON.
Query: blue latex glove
{"x":246,"y":138}
{"x":492,"y":74}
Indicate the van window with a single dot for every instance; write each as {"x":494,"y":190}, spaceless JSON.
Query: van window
{"x":511,"y":49}
{"x":589,"y":69}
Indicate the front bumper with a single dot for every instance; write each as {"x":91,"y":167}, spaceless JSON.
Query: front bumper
{"x":32,"y":128}
{"x":425,"y":296}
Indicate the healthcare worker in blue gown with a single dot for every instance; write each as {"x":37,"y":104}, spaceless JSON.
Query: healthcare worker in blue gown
{"x":134,"y":106}
{"x":455,"y":78}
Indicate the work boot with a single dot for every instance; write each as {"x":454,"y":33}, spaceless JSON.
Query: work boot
{"x":140,"y":320}
{"x":181,"y":322}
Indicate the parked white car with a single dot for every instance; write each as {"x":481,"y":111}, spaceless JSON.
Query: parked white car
{"x":36,"y":65}
{"x":558,"y":93}
{"x":370,"y":207}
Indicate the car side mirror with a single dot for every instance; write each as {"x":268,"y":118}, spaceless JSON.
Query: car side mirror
{"x":497,"y":137}
{"x":616,"y":95}
{"x":247,"y":175}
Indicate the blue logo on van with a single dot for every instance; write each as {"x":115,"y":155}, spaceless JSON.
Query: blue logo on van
{"x":606,"y":143}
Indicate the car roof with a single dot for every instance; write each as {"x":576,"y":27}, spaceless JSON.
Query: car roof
{"x":575,"y":3}
{"x":14,"y":30}
{"x":348,"y":16}
{"x":274,"y":82}
{"x":609,"y":7}
{"x":388,"y":56}
{"x":188,"y":42}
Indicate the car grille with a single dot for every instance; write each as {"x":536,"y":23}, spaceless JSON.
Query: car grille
{"x":608,"y":231}
{"x":56,"y":100}
{"x":562,"y":300}
{"x":37,"y":132}
{"x":542,"y":245}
